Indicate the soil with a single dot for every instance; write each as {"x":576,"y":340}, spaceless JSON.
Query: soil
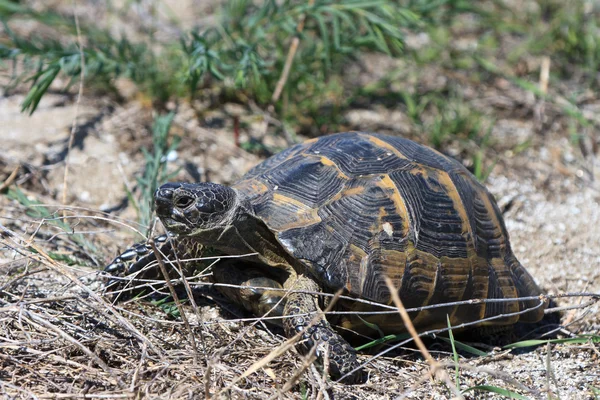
{"x":59,"y":336}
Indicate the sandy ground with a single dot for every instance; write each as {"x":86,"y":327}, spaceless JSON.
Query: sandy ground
{"x":550,"y":194}
{"x":55,"y":334}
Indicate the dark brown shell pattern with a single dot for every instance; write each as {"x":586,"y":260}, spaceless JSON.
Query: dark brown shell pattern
{"x":355,"y":207}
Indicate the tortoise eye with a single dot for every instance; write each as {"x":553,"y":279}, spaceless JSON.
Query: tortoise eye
{"x":184,"y":201}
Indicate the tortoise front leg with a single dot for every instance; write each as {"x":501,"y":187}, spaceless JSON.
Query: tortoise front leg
{"x":342,"y":356}
{"x":127,"y":272}
{"x":248,"y":286}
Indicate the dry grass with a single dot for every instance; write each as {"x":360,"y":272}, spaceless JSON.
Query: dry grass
{"x":61,"y":338}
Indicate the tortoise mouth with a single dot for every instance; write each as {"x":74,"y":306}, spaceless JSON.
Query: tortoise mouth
{"x":175,"y":226}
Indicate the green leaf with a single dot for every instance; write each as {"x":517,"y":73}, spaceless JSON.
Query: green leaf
{"x":37,"y":210}
{"x":385,"y":339}
{"x":454,"y":353}
{"x":595,"y":392}
{"x":536,"y":342}
{"x":41,"y":83}
{"x":494,"y":389}
{"x":465,"y":347}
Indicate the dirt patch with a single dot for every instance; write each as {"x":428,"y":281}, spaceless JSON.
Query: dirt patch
{"x":549,"y":193}
{"x":60,"y":337}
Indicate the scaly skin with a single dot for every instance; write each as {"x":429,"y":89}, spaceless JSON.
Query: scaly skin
{"x":295,"y":306}
{"x":213,"y":215}
{"x":138,"y":263}
{"x":255,"y":296}
{"x":316,"y":331}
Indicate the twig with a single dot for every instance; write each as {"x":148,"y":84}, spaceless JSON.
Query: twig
{"x":10,"y":178}
{"x":163,"y":269}
{"x":17,"y":388}
{"x":571,"y":314}
{"x":498,"y":374}
{"x":322,"y":382}
{"x":306,"y":363}
{"x":281,"y":349}
{"x":435,"y":367}
{"x":89,"y":396}
{"x":136,"y":374}
{"x":287,"y":66}
{"x":52,"y":357}
{"x":190,"y":294}
{"x":544,"y":74}
{"x":38,"y":320}
{"x":45,"y":259}
{"x":290,"y":57}
{"x":540,"y":106}
{"x":79,"y":94}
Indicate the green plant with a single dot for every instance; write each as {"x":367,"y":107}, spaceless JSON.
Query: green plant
{"x":168,"y":306}
{"x":38,"y":211}
{"x":574,"y":340}
{"x":155,"y":171}
{"x":494,"y":389}
{"x":571,"y":35}
{"x":454,"y":354}
{"x":246,"y":51}
{"x":595,"y":392}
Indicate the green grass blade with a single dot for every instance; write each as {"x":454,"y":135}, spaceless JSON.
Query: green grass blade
{"x":37,"y":210}
{"x":595,"y":392}
{"x":494,"y":389}
{"x":465,"y":347}
{"x":536,"y":342}
{"x":385,"y":339}
{"x":454,"y":353}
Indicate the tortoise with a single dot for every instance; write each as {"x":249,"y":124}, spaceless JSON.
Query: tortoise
{"x":341,"y":212}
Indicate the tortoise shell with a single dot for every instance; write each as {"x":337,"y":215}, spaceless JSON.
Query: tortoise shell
{"x":355,"y":207}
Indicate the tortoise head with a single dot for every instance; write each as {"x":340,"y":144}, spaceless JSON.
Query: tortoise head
{"x":192,"y":208}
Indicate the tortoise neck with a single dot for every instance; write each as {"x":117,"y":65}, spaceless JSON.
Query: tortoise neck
{"x":243,"y":232}
{"x":248,"y":234}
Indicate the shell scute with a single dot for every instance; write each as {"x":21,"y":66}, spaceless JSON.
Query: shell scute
{"x":305,"y":179}
{"x":355,"y":155}
{"x":356,"y":207}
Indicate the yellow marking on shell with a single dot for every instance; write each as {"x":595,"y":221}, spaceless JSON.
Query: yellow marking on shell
{"x":443,"y":178}
{"x":380,"y":143}
{"x":508,"y":291}
{"x":353,"y":191}
{"x":426,"y":261}
{"x":363,"y":273}
{"x":387,"y":184}
{"x":504,"y":278}
{"x":420,"y":170}
{"x":346,"y":192}
{"x":302,"y":216}
{"x":327,"y":162}
{"x":500,"y":266}
{"x":251,"y":186}
{"x":393,"y":263}
{"x":356,"y":262}
{"x":480,"y":283}
{"x":455,"y":272}
{"x":485,"y":197}
{"x":280,"y":198}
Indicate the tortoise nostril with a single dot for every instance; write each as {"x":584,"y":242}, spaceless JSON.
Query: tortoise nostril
{"x":184,"y":201}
